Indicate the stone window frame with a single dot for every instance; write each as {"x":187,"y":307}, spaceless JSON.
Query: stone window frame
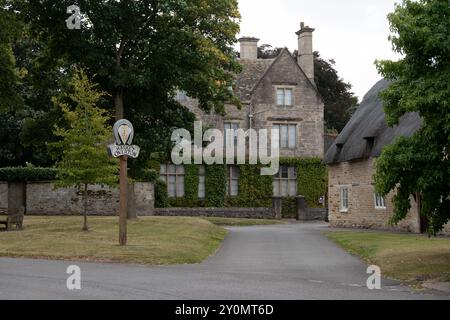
{"x":166,"y":174}
{"x":233,"y":126}
{"x":285,"y":88}
{"x":380,"y":202}
{"x":342,"y":199}
{"x":233,"y":175}
{"x":289,"y":126}
{"x":292,"y":178}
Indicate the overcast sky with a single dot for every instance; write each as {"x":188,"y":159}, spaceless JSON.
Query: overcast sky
{"x":353,"y":32}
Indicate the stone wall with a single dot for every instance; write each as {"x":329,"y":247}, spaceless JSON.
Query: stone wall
{"x":446,"y":230}
{"x":144,"y":194}
{"x":358,"y":177}
{"x":250,"y":213}
{"x":3,"y":196}
{"x":317,"y":214}
{"x":43,"y":199}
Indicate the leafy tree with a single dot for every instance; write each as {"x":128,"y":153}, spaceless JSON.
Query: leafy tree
{"x":153,"y":45}
{"x":27,"y":129}
{"x":9,"y":76}
{"x":420,"y":83}
{"x":340,"y":102}
{"x":141,"y":52}
{"x":266,"y":51}
{"x":83,"y":147}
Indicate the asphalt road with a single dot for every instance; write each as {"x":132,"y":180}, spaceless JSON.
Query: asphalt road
{"x":268,"y":263}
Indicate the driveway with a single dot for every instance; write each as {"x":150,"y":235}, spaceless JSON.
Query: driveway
{"x":269,"y":263}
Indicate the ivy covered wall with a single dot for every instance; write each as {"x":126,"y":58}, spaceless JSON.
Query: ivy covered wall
{"x":255,"y":191}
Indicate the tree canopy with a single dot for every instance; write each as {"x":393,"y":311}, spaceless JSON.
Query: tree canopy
{"x":340,"y":101}
{"x":81,"y":154}
{"x":150,"y":45}
{"x":139,"y":52}
{"x":10,"y":29}
{"x":419,"y":165}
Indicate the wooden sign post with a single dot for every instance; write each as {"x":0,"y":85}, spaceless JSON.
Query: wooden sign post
{"x":122,"y":149}
{"x":123,"y":200}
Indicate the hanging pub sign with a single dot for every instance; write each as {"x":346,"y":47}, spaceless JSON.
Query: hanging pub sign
{"x":124,"y":135}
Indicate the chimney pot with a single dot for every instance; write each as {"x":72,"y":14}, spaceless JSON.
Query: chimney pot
{"x":305,"y":50}
{"x":249,"y":48}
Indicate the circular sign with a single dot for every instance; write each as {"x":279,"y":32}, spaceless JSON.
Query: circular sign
{"x":123,"y":132}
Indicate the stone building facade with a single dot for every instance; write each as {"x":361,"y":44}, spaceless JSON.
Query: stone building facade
{"x":362,"y":210}
{"x":275,"y":93}
{"x":353,"y":202}
{"x":278,"y":91}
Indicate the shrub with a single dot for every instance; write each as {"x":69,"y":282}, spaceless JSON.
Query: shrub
{"x":27,"y":174}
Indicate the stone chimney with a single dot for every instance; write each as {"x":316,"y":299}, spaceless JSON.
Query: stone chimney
{"x":249,"y":48}
{"x":305,"y":50}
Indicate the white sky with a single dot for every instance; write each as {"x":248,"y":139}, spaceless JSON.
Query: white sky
{"x":353,"y":32}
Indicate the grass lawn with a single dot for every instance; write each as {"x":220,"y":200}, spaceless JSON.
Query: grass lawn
{"x":152,"y":240}
{"x":411,"y":258}
{"x":233,"y":222}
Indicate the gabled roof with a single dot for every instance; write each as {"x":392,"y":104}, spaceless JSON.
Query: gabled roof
{"x":367,"y":133}
{"x":253,"y":71}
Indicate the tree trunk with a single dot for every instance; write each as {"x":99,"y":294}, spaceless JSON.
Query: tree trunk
{"x":85,"y":227}
{"x":118,"y":104}
{"x":423,"y":220}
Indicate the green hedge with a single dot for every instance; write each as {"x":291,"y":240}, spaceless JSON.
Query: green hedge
{"x":28,"y":174}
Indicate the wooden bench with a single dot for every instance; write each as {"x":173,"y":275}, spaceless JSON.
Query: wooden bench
{"x":14,"y":221}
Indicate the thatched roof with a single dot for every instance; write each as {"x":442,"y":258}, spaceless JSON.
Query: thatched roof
{"x":367,"y":132}
{"x":252,"y":72}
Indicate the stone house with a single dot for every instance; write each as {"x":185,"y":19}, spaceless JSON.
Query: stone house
{"x":275,"y":93}
{"x":353,"y":202}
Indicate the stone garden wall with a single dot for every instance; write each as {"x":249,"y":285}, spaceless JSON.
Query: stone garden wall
{"x":250,"y":213}
{"x":43,"y":199}
{"x":3,"y":196}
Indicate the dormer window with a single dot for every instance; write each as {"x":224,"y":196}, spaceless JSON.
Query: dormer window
{"x":370,"y":142}
{"x":285,"y":97}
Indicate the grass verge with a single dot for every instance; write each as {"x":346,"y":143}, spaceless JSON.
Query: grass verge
{"x":411,"y":258}
{"x":152,"y":240}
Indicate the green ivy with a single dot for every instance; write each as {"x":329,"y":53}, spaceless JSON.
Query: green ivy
{"x":255,"y":191}
{"x":216,"y":186}
{"x":161,"y":196}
